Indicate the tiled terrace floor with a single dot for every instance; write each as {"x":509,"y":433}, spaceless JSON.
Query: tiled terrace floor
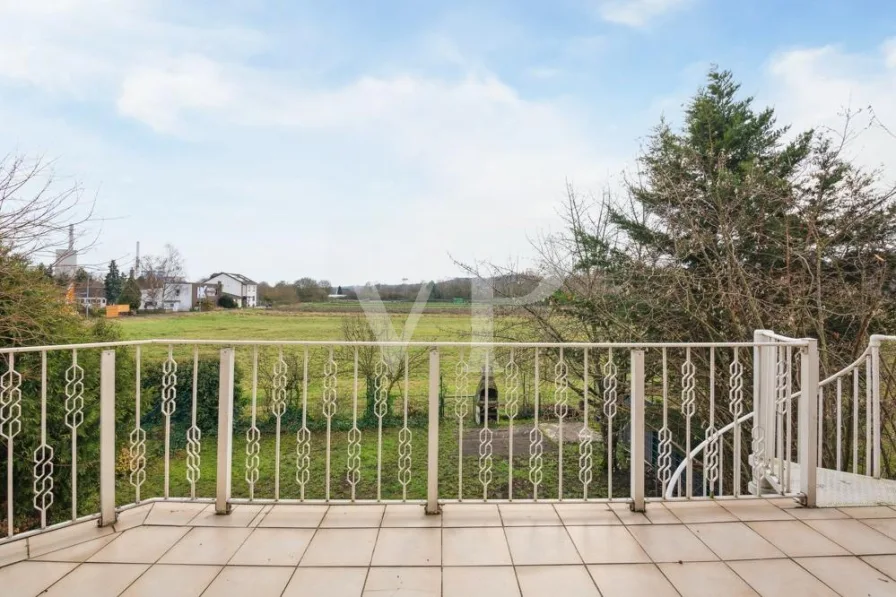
{"x":769,"y":548}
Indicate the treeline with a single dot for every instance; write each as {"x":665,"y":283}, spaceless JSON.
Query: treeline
{"x":307,"y":290}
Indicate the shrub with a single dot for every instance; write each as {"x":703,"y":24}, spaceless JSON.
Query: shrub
{"x":227,"y":302}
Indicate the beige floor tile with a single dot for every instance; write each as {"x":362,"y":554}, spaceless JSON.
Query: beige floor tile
{"x":528,"y":515}
{"x":173,"y":581}
{"x":353,"y":516}
{"x":273,"y":547}
{"x":294,"y":516}
{"x":786,"y":503}
{"x":241,"y":515}
{"x":658,"y":514}
{"x":568,"y":581}
{"x":470,"y":515}
{"x":142,"y":545}
{"x":849,"y":576}
{"x":815,"y":513}
{"x":869,"y":512}
{"x":27,"y":579}
{"x":854,"y":536}
{"x":700,"y":511}
{"x":606,"y":545}
{"x":340,"y":547}
{"x":132,"y":517}
{"x":886,"y":564}
{"x":734,"y":541}
{"x":206,"y":546}
{"x":887,"y":526}
{"x":780,"y":578}
{"x":403,"y":582}
{"x":631,"y":580}
{"x":671,"y":543}
{"x":332,"y":582}
{"x":749,"y":510}
{"x":586,"y":514}
{"x":13,"y":552}
{"x":534,"y":546}
{"x":490,"y":581}
{"x":475,"y":547}
{"x":796,"y":539}
{"x":66,"y":537}
{"x":408,"y":547}
{"x":409,"y":515}
{"x":249,"y":580}
{"x":174,"y":513}
{"x":96,"y":580}
{"x":626,"y":516}
{"x":77,"y":553}
{"x":706,"y":579}
{"x":260,"y":516}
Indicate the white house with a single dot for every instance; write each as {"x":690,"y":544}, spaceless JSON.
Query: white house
{"x":241,"y":288}
{"x":174,"y":296}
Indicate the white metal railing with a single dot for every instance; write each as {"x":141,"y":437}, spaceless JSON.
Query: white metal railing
{"x":856,"y":393}
{"x":849,"y":402}
{"x":316,"y":422}
{"x":779,"y":364}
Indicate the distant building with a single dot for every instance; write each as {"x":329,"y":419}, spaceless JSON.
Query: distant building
{"x":243,"y":290}
{"x":66,"y":264}
{"x":174,"y":296}
{"x":90,"y":293}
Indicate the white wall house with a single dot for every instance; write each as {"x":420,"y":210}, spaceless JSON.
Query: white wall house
{"x":241,"y":288}
{"x":175,"y":296}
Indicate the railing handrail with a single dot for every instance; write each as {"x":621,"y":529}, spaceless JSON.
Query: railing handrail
{"x":849,"y":368}
{"x":391,"y":343}
{"x":673,"y":480}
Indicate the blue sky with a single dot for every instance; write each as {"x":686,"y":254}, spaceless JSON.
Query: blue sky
{"x":375,"y":141}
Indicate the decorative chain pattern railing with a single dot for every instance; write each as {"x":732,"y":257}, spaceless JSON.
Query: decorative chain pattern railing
{"x":359,"y":422}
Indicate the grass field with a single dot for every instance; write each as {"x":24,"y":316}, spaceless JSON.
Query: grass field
{"x":450,"y":324}
{"x":443,"y":324}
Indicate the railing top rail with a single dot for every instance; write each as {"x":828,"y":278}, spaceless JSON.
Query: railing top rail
{"x":846,"y":370}
{"x":412,"y":344}
{"x":778,"y":338}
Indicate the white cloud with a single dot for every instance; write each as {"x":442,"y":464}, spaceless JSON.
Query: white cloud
{"x":157,"y":95}
{"x":813,"y":87}
{"x":637,"y":13}
{"x":376,"y":177}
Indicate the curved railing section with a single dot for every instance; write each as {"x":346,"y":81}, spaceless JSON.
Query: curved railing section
{"x":849,"y":418}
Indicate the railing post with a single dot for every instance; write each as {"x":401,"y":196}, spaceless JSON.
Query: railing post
{"x":764,"y":366}
{"x":107,"y":438}
{"x":225,"y":431}
{"x":808,"y":422}
{"x":432,"y":455}
{"x":875,"y":401}
{"x":637,"y":430}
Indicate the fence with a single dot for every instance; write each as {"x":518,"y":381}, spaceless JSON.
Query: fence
{"x":94,"y":429}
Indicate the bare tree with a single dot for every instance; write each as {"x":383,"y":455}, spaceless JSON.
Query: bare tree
{"x":160,"y":273}
{"x":389,"y":364}
{"x":36,"y":210}
{"x":36,"y":206}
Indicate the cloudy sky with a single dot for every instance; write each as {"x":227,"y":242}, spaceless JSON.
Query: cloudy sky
{"x":374,"y":141}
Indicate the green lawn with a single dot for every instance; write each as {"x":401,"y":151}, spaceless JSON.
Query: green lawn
{"x":282,"y":325}
{"x":366,"y":487}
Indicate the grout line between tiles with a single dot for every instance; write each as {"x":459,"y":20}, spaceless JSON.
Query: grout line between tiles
{"x":235,"y":551}
{"x":307,"y":547}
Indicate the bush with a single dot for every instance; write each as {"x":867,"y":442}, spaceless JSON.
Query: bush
{"x":206,"y":395}
{"x":227,"y":302}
